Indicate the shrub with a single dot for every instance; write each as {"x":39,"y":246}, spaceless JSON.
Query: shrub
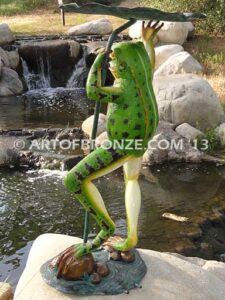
{"x":10,"y":7}
{"x":213,"y":141}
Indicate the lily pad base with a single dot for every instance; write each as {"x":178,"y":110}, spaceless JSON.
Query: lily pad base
{"x":122,"y":277}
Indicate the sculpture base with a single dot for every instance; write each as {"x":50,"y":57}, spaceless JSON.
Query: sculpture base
{"x":122,"y":277}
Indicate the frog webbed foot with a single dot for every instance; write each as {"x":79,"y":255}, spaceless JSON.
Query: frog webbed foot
{"x":70,"y":256}
{"x":119,"y":249}
{"x":149,"y":32}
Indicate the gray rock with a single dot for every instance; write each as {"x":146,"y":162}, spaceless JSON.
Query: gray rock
{"x":4,"y":58}
{"x":101,"y":139}
{"x":220,"y":131}
{"x":8,"y":154}
{"x":13,"y":58}
{"x":168,"y":145}
{"x":101,"y":27}
{"x":168,"y":277}
{"x":173,"y":33}
{"x":10,"y":84}
{"x":163,"y":53}
{"x":60,"y":51}
{"x":189,"y":132}
{"x":135,"y":30}
{"x":88,"y":125}
{"x":179,"y":63}
{"x":156,"y":154}
{"x":93,"y":49}
{"x":191,"y":30}
{"x":216,"y":268}
{"x":6,"y":35}
{"x":188,"y":99}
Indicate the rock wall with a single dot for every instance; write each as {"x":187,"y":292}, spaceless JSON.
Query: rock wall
{"x":10,"y":83}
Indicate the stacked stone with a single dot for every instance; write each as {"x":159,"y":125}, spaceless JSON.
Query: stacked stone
{"x":10,"y":83}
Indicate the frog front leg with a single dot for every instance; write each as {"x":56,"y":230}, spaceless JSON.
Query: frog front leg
{"x":94,"y":88}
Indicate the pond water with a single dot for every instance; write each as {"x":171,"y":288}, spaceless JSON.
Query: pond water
{"x":45,"y":108}
{"x":36,"y":202}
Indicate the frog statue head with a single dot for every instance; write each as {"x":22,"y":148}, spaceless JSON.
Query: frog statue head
{"x":130,"y":60}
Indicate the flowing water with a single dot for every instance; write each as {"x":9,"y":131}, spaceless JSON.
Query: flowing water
{"x":36,"y":202}
{"x":38,"y":80}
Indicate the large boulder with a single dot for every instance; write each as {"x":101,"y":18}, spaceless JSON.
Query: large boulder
{"x":162,"y":53}
{"x":191,"y":30}
{"x":6,"y":35}
{"x":189,"y":132}
{"x":135,"y":30}
{"x":101,"y":139}
{"x":101,"y":27}
{"x":13,"y":58}
{"x":10,"y":83}
{"x":4,"y":58}
{"x":88,"y":125}
{"x":9,"y":59}
{"x":168,"y":145}
{"x":187,"y":98}
{"x":220,"y":132}
{"x":179,"y":63}
{"x":173,"y":33}
{"x":169,"y":276}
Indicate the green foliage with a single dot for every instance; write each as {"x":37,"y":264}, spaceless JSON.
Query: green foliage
{"x":215,"y":10}
{"x":213,"y":141}
{"x":10,"y":7}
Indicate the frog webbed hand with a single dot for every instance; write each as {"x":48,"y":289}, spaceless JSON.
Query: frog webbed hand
{"x":95,"y":90}
{"x":149,"y":33}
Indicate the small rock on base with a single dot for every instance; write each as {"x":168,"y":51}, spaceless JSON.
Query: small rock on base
{"x":6,"y":292}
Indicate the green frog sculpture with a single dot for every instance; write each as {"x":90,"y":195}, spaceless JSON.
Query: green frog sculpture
{"x":132,"y":121}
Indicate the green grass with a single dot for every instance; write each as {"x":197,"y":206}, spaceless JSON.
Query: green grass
{"x":11,"y":7}
{"x":210,"y":52}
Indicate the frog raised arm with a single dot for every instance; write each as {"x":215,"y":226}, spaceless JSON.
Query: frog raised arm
{"x":131,"y":122}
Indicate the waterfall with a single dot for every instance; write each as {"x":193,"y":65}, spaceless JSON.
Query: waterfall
{"x":40,"y":72}
{"x":80,"y":73}
{"x":41,"y":78}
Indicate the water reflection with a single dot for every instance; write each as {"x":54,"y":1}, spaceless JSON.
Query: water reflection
{"x":45,"y":108}
{"x":32,"y":203}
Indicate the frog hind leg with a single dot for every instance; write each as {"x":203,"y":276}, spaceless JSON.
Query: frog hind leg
{"x":79,"y":181}
{"x":133,"y":203}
